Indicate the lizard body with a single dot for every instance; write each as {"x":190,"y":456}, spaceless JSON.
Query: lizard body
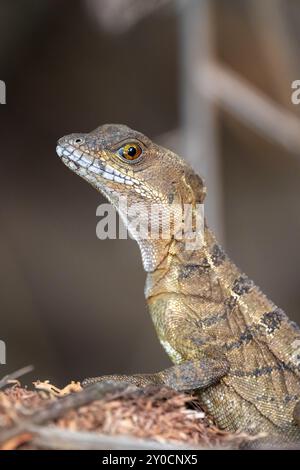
{"x":227,"y":340}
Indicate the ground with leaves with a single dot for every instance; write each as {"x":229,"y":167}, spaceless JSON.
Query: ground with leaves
{"x":151,"y":418}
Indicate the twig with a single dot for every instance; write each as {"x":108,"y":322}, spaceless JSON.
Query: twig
{"x":15,"y":375}
{"x":56,"y":409}
{"x":55,"y":438}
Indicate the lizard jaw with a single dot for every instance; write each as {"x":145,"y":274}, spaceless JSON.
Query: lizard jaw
{"x":89,"y":167}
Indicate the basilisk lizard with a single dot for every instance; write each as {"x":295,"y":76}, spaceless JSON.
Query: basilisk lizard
{"x":228,"y":341}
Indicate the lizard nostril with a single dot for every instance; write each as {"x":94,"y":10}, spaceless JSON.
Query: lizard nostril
{"x":78,"y":141}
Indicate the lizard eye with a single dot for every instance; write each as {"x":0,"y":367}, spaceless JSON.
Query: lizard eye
{"x":130,"y":152}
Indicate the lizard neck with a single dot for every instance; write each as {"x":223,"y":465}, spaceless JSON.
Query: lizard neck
{"x":157,"y":253}
{"x":184,"y":271}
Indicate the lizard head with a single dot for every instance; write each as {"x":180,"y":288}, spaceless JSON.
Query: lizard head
{"x":121,"y":162}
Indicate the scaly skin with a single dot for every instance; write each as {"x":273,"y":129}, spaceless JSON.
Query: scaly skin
{"x":226,"y":338}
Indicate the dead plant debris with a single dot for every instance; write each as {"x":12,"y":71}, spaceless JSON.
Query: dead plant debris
{"x":158,"y":415}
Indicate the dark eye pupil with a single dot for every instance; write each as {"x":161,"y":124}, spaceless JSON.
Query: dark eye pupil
{"x":131,"y":151}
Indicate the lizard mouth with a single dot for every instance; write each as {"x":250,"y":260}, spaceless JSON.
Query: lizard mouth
{"x":89,"y":167}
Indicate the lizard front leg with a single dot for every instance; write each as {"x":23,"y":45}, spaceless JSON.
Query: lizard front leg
{"x":203,"y":364}
{"x":190,"y":375}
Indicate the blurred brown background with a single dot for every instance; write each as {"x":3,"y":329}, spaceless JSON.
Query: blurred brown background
{"x":210,"y":79}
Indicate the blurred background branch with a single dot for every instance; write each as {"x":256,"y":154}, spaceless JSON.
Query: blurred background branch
{"x":118,"y":16}
{"x":248,"y":104}
{"x":276,"y":43}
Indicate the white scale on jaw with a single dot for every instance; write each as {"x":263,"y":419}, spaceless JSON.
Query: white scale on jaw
{"x":74,"y":158}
